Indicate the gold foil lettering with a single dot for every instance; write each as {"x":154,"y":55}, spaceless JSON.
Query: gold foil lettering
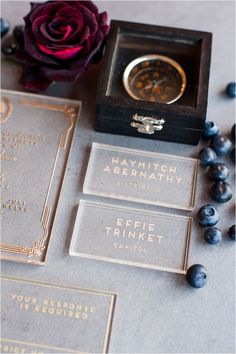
{"x":17,"y":140}
{"x":142,"y":170}
{"x":151,"y":227}
{"x":115,"y":160}
{"x":116,"y":170}
{"x":132,"y":163}
{"x":142,"y":174}
{"x":178,"y":179}
{"x":7,"y":157}
{"x":116,"y":232}
{"x":128,"y":223}
{"x":172,"y":169}
{"x":164,"y":168}
{"x":133,"y":173}
{"x":130,"y":247}
{"x":141,"y":165}
{"x":150,"y":237}
{"x":152,"y":176}
{"x":119,"y":222}
{"x":124,"y":162}
{"x":134,"y":231}
{"x":169,"y":179}
{"x":141,"y":236}
{"x":53,"y":307}
{"x":107,"y":169}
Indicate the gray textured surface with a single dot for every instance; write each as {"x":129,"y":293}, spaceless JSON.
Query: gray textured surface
{"x":156,"y":312}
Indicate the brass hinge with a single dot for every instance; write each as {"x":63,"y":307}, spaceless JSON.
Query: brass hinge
{"x":147,"y":125}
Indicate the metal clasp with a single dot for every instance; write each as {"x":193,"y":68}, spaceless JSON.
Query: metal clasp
{"x":147,"y":125}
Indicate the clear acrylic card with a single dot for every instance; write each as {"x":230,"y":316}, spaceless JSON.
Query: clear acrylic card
{"x":42,"y":317}
{"x":141,"y":176}
{"x":131,"y":236}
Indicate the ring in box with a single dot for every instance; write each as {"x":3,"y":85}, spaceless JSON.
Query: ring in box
{"x":154,"y":82}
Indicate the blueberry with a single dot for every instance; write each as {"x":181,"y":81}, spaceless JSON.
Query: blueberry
{"x":221,"y":192}
{"x":4,"y":27}
{"x":218,"y":171}
{"x":221,"y":145}
{"x":197,"y":276}
{"x":231,"y":232}
{"x":208,"y":215}
{"x":233,"y":132}
{"x":8,"y":48}
{"x":207,"y":156}
{"x":232,"y":155}
{"x":213,"y":235}
{"x":210,"y":130}
{"x":231,"y":89}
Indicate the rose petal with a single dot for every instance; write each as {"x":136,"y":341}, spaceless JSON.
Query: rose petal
{"x":48,"y":28}
{"x":84,"y":35}
{"x":103,"y":23}
{"x":68,"y":12}
{"x":86,"y":47}
{"x":24,"y":58}
{"x":47,"y":37}
{"x":59,"y":22}
{"x":76,"y":69}
{"x":73,"y":21}
{"x":34,"y":5}
{"x":49,"y":8}
{"x":89,"y":19}
{"x":63,"y":54}
{"x":51,"y":30}
{"x":85,"y":3}
{"x":64,"y":74}
{"x":67,"y":31}
{"x":36,"y":27}
{"x":33,"y":79}
{"x":90,"y":6}
{"x":32,"y":49}
{"x":80,"y":34}
{"x":103,"y":18}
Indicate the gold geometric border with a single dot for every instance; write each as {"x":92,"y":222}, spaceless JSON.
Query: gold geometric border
{"x":6,"y":109}
{"x":38,"y":248}
{"x":113,"y":296}
{"x":69,"y":111}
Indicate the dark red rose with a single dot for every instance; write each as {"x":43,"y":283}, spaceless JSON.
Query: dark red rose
{"x":61,"y":40}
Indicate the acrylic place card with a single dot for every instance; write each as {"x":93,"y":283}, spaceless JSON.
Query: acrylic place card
{"x":141,"y":176}
{"x":36,"y":136}
{"x":40,"y":318}
{"x":131,"y":236}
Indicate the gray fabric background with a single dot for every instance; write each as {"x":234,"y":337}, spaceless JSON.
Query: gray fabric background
{"x":156,"y":312}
